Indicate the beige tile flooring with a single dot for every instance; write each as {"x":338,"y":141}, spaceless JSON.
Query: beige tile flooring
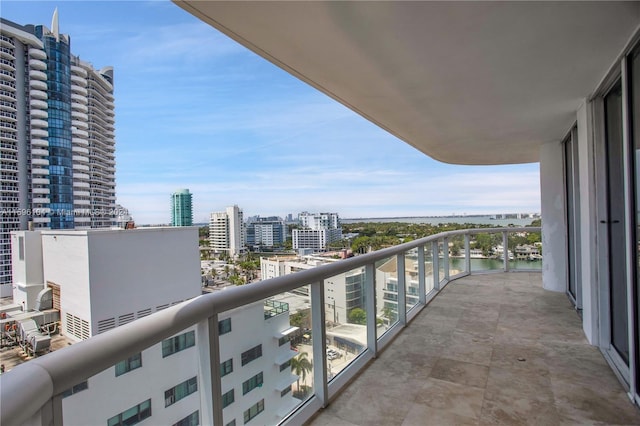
{"x":490,"y":349}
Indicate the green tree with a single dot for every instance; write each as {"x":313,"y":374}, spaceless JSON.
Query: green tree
{"x":533,"y":237}
{"x":301,"y":365}
{"x":357,"y":316}
{"x":300,"y":319}
{"x":203,"y":232}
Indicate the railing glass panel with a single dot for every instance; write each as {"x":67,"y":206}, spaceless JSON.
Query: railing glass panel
{"x":486,"y":252}
{"x":457,"y":253}
{"x":441,"y":261}
{"x":411,"y":280}
{"x":386,"y":281}
{"x":428,"y":268}
{"x":345,"y":319}
{"x":525,"y":251}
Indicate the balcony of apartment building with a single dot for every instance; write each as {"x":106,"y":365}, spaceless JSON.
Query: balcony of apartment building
{"x":484,"y":343}
{"x":467,"y":83}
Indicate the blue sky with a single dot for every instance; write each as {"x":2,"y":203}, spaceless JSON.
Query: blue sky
{"x":196,"y":110}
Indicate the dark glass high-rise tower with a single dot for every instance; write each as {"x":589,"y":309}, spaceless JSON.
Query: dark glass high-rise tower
{"x":56,"y":47}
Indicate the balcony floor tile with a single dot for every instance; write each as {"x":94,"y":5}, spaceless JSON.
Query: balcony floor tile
{"x":489,"y":349}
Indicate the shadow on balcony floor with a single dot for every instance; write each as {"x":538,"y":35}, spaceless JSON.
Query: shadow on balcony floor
{"x":490,"y":349}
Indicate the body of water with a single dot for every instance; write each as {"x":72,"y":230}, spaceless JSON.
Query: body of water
{"x":480,"y":220}
{"x":493,"y":264}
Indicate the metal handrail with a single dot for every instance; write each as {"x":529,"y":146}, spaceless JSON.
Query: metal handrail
{"x":28,"y":387}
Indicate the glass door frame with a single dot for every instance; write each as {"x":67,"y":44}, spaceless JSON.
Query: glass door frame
{"x":626,"y":372}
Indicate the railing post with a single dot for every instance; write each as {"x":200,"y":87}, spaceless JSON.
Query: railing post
{"x":436,"y":265}
{"x":318,"y":327}
{"x":370,"y":303}
{"x":505,"y":250}
{"x":445,"y":257}
{"x":402,"y":288}
{"x":467,"y":253}
{"x":422,"y":285}
{"x":214,"y":373}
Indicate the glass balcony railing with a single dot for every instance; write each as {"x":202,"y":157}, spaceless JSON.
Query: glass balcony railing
{"x":276,"y":351}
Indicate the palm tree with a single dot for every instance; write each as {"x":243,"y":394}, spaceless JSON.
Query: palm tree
{"x":301,"y":365}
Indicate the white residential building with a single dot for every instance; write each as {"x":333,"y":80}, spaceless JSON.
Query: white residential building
{"x":104,"y":279}
{"x":319,"y":220}
{"x":387,"y":286}
{"x":317,"y":231}
{"x":343,"y":292}
{"x":226,"y":231}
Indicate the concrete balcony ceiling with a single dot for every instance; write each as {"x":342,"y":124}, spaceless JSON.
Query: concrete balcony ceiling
{"x":463,"y":82}
{"x":489,"y":349}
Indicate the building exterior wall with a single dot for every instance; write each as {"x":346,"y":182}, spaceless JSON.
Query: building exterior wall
{"x":65,"y":262}
{"x":588,"y":223}
{"x":249,"y":328}
{"x":107,"y":395}
{"x":554,"y":246}
{"x":135,"y":271}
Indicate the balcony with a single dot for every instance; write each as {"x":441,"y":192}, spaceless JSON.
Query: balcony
{"x":480,"y":348}
{"x":37,"y":75}
{"x":38,"y":84}
{"x":489,"y":349}
{"x":38,"y":113}
{"x":38,"y":104}
{"x":37,"y":64}
{"x":37,"y":53}
{"x":38,"y":94}
{"x":79,"y":70}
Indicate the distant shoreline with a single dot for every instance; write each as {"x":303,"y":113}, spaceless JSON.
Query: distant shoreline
{"x":417,"y":217}
{"x":488,"y":219}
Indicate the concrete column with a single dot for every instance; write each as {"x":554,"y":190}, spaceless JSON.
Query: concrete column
{"x":588,"y":223}
{"x":554,"y":232}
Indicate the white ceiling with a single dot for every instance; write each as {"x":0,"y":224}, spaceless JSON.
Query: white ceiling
{"x":463,"y":82}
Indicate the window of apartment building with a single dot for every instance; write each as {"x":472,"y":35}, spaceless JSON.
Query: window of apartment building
{"x":20,"y":248}
{"x":180,"y":391}
{"x":251,"y":354}
{"x":285,"y":391}
{"x":192,"y":419}
{"x":178,"y":343}
{"x":231,"y":423}
{"x":253,"y":411}
{"x":75,"y":389}
{"x":129,"y":364}
{"x":285,"y":365}
{"x":283,"y":340}
{"x":224,"y":326}
{"x":228,"y":398}
{"x":226,"y":367}
{"x":133,"y":415}
{"x":252,"y":383}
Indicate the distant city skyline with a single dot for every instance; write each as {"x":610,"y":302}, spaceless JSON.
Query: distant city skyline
{"x":196,"y":110}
